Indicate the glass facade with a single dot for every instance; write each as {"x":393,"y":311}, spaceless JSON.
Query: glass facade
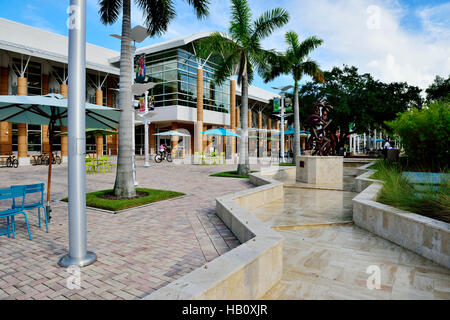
{"x":175,"y":72}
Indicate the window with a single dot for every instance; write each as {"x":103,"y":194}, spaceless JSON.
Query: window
{"x":33,"y":73}
{"x":34,"y":138}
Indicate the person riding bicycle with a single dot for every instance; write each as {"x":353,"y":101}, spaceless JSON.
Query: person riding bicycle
{"x":162,"y":149}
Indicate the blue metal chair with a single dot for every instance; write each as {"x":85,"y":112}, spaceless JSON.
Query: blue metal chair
{"x":15,"y":192}
{"x":2,"y":231}
{"x":36,"y":188}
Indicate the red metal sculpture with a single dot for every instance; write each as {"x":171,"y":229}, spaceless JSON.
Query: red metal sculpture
{"x":322,"y":141}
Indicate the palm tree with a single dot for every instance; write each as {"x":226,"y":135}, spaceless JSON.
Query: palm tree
{"x":295,"y":61}
{"x":240,"y":51}
{"x":157,"y":15}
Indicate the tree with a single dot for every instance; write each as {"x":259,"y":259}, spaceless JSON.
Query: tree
{"x":240,"y":50}
{"x":157,"y":15}
{"x":295,"y":61}
{"x":358,"y":100}
{"x":425,"y":135}
{"x":440,"y":88}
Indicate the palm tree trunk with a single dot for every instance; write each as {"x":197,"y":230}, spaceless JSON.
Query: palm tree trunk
{"x":244,"y":163}
{"x":296,"y":123}
{"x":124,"y":184}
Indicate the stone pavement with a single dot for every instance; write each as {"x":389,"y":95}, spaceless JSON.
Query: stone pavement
{"x":138,"y":251}
{"x":326,"y":257}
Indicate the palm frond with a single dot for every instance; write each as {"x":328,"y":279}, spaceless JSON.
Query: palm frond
{"x":201,"y":7}
{"x":268,"y":22}
{"x":311,"y":68}
{"x":276,"y":65}
{"x":157,"y":14}
{"x":308,"y":45}
{"x":241,"y":16}
{"x":292,"y":41}
{"x":225,"y":68}
{"x":109,"y":10}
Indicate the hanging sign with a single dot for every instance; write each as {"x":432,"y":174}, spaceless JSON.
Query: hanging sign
{"x":140,"y":69}
{"x":276,"y":105}
{"x":141,"y":104}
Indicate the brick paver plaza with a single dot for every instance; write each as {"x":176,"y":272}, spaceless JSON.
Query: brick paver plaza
{"x":138,"y":251}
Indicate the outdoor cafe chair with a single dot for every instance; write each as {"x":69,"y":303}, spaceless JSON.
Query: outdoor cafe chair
{"x":13,"y":193}
{"x":36,"y":189}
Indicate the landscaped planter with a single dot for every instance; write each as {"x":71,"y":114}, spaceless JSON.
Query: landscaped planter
{"x":427,"y":237}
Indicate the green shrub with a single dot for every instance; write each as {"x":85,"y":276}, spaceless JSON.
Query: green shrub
{"x":429,"y":200}
{"x":425,"y":135}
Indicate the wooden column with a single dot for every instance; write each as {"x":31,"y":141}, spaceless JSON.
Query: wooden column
{"x":63,"y":88}
{"x":232,"y":114}
{"x":238,"y":117}
{"x":22,"y":90}
{"x":44,"y":129}
{"x":99,"y":140}
{"x":198,"y":137}
{"x":113,"y":140}
{"x":174,"y":140}
{"x":269,"y":134}
{"x":260,"y":135}
{"x":5,"y":127}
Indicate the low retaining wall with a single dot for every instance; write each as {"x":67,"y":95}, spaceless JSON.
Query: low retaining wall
{"x":246,"y":272}
{"x":427,"y":237}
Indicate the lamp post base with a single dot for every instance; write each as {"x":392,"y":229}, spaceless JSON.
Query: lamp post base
{"x":67,"y":260}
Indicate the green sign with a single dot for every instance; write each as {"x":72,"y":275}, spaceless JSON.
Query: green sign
{"x":287,"y":104}
{"x":276,"y":105}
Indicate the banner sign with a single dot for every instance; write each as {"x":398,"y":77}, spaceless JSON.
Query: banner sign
{"x":141,"y":104}
{"x":140,"y":70}
{"x":288,"y":104}
{"x":276,"y":105}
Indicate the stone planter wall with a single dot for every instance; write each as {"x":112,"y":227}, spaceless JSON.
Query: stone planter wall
{"x":427,"y":237}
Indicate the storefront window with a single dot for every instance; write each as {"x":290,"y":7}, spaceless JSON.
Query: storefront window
{"x":34,"y":138}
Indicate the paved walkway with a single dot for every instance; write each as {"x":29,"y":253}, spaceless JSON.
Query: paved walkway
{"x":326,"y":257}
{"x":138,"y":251}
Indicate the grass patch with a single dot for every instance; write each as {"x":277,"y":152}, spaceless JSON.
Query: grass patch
{"x":230,"y":174}
{"x":430,"y":200}
{"x":287,"y":164}
{"x":99,"y":199}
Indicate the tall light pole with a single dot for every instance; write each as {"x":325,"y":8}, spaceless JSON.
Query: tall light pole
{"x":78,"y":255}
{"x":282,"y":117}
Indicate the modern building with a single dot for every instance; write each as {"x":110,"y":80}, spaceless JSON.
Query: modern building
{"x":34,"y":62}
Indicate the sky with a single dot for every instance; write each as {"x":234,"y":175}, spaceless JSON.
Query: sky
{"x":394,"y":40}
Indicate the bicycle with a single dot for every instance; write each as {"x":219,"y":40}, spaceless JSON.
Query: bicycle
{"x":56,"y":159}
{"x":161,"y":155}
{"x":12,"y":162}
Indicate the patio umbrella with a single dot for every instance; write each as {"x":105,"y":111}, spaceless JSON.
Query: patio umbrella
{"x":51,"y":110}
{"x":173,"y":133}
{"x":290,"y":131}
{"x":221,"y":132}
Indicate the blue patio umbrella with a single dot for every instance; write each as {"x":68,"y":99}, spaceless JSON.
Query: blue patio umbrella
{"x":52,"y":110}
{"x":221,"y":132}
{"x":290,"y":131}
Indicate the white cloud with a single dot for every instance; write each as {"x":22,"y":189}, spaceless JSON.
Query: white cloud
{"x":369,"y":35}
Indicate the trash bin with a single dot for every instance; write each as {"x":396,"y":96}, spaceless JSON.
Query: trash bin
{"x":341,"y":151}
{"x":393,"y":154}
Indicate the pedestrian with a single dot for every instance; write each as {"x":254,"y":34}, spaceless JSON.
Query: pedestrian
{"x":386,"y":147}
